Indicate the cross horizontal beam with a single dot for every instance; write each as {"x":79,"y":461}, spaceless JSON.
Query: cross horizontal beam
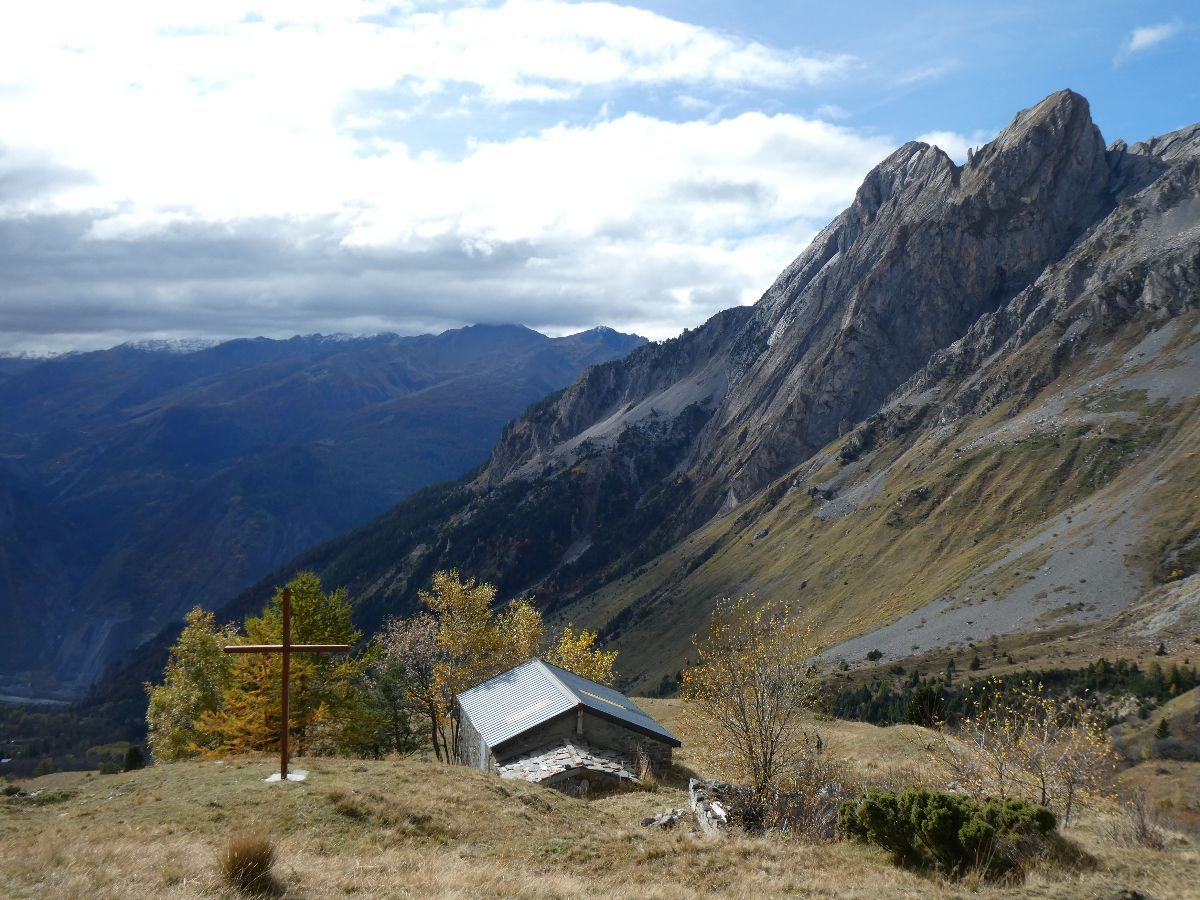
{"x":291,"y":648}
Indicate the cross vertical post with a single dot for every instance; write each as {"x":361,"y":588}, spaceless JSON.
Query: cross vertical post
{"x":286,"y":649}
{"x":287,"y":671}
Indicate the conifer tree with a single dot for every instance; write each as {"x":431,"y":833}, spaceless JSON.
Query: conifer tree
{"x":134,"y":758}
{"x":248,"y":715}
{"x":323,"y":687}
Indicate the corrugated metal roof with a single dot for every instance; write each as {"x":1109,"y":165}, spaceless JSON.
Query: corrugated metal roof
{"x":515,"y":701}
{"x":609,"y":703}
{"x":534,"y":692}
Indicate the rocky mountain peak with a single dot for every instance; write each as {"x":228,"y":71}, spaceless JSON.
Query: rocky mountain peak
{"x":1064,"y":115}
{"x":1175,"y":146}
{"x":913,"y":168}
{"x":925,"y":249}
{"x":1051,"y":157}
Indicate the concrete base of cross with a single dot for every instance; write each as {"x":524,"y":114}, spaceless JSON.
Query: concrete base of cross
{"x":296,"y":775}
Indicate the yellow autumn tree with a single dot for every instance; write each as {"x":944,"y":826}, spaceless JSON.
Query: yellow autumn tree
{"x":747,"y":696}
{"x":473,"y":643}
{"x":464,"y":640}
{"x":578,"y":652}
{"x":197,"y":675}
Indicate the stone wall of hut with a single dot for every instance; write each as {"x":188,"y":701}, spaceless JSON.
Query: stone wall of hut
{"x":471,"y":749}
{"x":597,"y":731}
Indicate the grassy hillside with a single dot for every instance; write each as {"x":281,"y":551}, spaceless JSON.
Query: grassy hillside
{"x":1137,"y":738}
{"x":411,"y":828}
{"x":1063,"y":504}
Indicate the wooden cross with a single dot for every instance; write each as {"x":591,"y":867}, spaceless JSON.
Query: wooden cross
{"x":287,"y":648}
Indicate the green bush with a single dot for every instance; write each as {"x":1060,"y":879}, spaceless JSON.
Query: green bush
{"x":951,"y":833}
{"x":134,"y":758}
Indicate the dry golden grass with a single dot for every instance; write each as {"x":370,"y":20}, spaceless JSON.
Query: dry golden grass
{"x":881,"y":757}
{"x":1172,"y":789}
{"x":415,"y":829}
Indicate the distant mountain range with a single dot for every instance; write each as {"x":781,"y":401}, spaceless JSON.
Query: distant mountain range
{"x":970,"y":407}
{"x":138,"y":481}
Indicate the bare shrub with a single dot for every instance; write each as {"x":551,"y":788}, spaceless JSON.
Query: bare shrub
{"x":815,"y":767}
{"x":805,"y":809}
{"x":1032,"y":746}
{"x":246,"y":862}
{"x":748,"y":694}
{"x":1138,"y":825}
{"x":818,"y":783}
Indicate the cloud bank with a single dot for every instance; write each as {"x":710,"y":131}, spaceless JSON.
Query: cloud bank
{"x":230,"y":168}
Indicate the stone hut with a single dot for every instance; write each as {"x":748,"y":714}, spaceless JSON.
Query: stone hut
{"x":539,"y":723}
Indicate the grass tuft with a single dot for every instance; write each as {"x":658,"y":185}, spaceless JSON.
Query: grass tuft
{"x":246,"y":863}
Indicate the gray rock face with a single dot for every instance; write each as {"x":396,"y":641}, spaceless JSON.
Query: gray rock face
{"x":926,"y":251}
{"x":1143,"y":257}
{"x":689,"y":370}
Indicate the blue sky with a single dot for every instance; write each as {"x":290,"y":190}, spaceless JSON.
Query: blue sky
{"x":983,"y":61}
{"x":274,"y":167}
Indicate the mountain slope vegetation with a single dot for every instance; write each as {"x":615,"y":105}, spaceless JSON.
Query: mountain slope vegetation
{"x":138,"y":481}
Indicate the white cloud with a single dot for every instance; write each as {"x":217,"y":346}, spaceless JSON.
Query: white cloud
{"x":304,"y":55}
{"x":956,"y":145}
{"x":205,"y":109}
{"x":1148,"y":36}
{"x":225,"y":168}
{"x":635,"y":222}
{"x":660,"y":179}
{"x":925,"y":73}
